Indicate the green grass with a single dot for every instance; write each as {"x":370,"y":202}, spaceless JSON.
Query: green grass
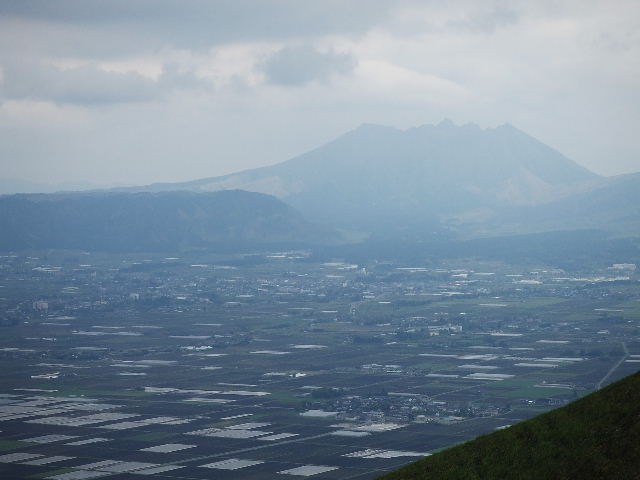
{"x":596,"y":437}
{"x":534,"y":392}
{"x":285,"y":398}
{"x":12,"y":445}
{"x":51,"y":473}
{"x":79,"y":392}
{"x":150,"y":437}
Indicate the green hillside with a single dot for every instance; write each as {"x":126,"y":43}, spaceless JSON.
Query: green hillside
{"x":231,"y":220}
{"x":596,"y":437}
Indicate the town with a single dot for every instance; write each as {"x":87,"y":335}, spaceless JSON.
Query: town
{"x":282,"y":365}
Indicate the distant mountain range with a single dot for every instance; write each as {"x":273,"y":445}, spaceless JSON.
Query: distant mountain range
{"x":10,"y":186}
{"x":479,"y":181}
{"x":168,"y":221}
{"x":611,"y":205}
{"x":595,"y":437}
{"x":453,"y":183}
{"x":374,"y":174}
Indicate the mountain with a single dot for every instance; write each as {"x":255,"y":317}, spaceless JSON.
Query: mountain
{"x":443,"y":184}
{"x":10,"y":186}
{"x":376,"y":176}
{"x":167,"y":221}
{"x":595,"y":437}
{"x":611,"y":205}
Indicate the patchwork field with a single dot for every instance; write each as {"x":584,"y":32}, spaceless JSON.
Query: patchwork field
{"x":276,"y":366}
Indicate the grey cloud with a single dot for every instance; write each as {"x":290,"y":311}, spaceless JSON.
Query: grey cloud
{"x":172,"y":78}
{"x":487,"y":21}
{"x":81,"y":85}
{"x":87,"y":85}
{"x":191,"y":24}
{"x":585,"y":102}
{"x":302,"y":65}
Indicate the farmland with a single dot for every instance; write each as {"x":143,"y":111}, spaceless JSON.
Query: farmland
{"x":280,"y":366}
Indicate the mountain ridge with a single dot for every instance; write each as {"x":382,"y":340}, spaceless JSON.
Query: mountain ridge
{"x":376,"y":175}
{"x":597,"y":436}
{"x":369,"y":131}
{"x":153,"y":221}
{"x":432,"y":182}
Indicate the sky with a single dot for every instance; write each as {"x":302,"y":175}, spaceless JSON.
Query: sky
{"x":136,"y":92}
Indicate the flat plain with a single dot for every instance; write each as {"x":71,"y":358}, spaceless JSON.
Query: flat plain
{"x":281,"y":366}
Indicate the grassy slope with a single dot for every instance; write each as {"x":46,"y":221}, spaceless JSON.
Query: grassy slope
{"x":596,"y":437}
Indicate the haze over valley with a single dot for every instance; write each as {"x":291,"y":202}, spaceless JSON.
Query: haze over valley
{"x":439,"y":184}
{"x":273,"y":239}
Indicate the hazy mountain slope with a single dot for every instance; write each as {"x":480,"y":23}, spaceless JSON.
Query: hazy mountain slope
{"x":151,"y":221}
{"x":9,"y":186}
{"x":374,"y":174}
{"x":615,"y":204}
{"x":596,"y":437}
{"x":612,"y":205}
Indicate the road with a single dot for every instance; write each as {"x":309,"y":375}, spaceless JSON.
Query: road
{"x":615,"y":366}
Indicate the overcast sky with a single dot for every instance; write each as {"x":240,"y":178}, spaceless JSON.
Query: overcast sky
{"x":134,"y":92}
